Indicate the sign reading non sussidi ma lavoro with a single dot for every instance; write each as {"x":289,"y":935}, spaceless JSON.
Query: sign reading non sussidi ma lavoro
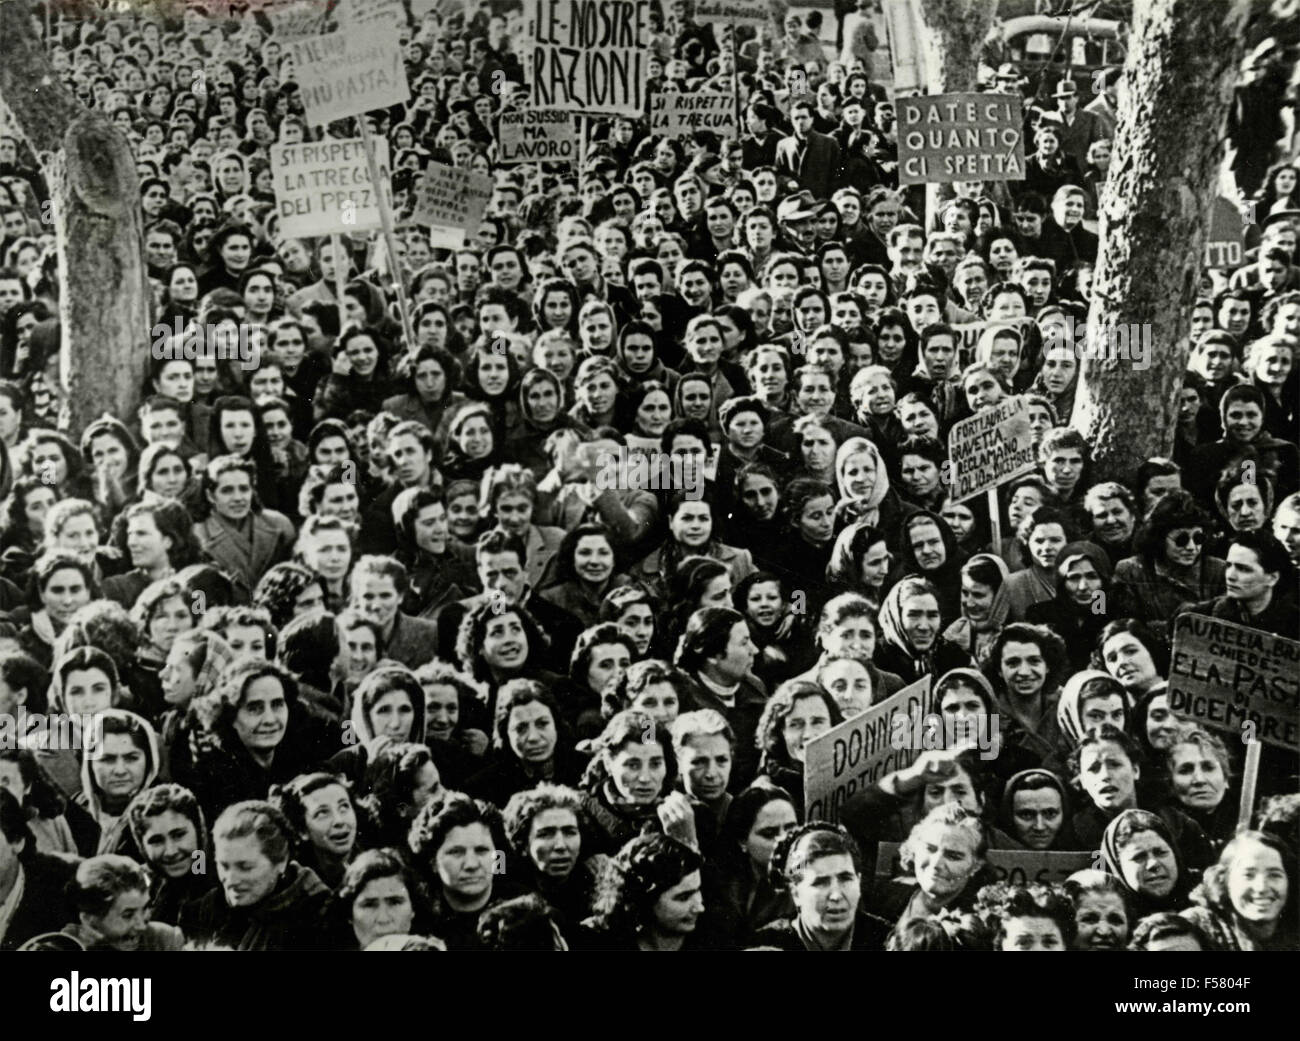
{"x":1236,"y":679}
{"x":589,"y":56}
{"x":534,"y":135}
{"x":960,"y":137}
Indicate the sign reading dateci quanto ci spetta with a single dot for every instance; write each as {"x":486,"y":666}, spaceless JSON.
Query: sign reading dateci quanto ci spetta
{"x":960,"y":137}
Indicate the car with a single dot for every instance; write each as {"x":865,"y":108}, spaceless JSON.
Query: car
{"x":1045,"y":49}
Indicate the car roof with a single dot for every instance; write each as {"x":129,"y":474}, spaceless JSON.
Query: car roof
{"x":1041,"y":23}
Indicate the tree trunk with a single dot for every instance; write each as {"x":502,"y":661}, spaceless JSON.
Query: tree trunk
{"x":104,"y":295}
{"x":1183,"y":57}
{"x":950,"y":44}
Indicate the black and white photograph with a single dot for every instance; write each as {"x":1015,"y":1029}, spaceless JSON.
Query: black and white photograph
{"x":648,"y":475}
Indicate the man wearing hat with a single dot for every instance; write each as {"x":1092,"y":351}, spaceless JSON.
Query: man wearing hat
{"x":1079,"y":128}
{"x":796,"y":217}
{"x":813,"y":159}
{"x":1049,"y":168}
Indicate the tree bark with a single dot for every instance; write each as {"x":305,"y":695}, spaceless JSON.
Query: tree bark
{"x":104,"y":293}
{"x":1183,"y":57}
{"x":954,"y":33}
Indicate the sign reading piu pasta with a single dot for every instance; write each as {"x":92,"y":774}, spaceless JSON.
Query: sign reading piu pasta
{"x":348,"y":74}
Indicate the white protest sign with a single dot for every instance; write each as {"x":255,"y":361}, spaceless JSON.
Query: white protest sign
{"x":353,"y":14}
{"x":324,"y":188}
{"x":537,"y":136}
{"x":859,"y":752}
{"x":348,"y":74}
{"x":450,"y":201}
{"x":679,"y":115}
{"x":992,"y":447}
{"x":589,"y":56}
{"x":736,"y":12}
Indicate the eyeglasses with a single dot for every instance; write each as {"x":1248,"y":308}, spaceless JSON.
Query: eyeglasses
{"x":1196,"y":538}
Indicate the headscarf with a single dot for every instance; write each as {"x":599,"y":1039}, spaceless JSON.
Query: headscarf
{"x":1092,"y":551}
{"x":531,"y":378}
{"x":393,"y":676}
{"x":1006,"y":817}
{"x":219,"y":654}
{"x":1069,"y":713}
{"x":891,"y":622}
{"x":867,"y":508}
{"x":1110,"y":850}
{"x":90,"y":750}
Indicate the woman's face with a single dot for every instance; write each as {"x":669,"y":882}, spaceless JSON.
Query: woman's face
{"x":1101,"y":922}
{"x":462,"y":515}
{"x":660,"y":701}
{"x":1148,"y":865}
{"x":1183,"y":546}
{"x":858,"y":476}
{"x":639,"y":622}
{"x":654,"y":414}
{"x":170,"y":618}
{"x":944,"y":859}
{"x":1161,"y":723}
{"x":849,"y":683}
{"x":772,"y":823}
{"x":514,"y":512}
{"x":362,"y":354}
{"x":1128,"y":660}
{"x":530,"y":729}
{"x":48,"y":463}
{"x":87,"y":692}
{"x":235,"y":252}
{"x":554,"y":842}
{"x":183,"y":286}
{"x":238,"y":431}
{"x":1037,"y":815}
{"x":593,"y":559}
{"x":557,"y":309}
{"x":920,"y":619}
{"x":809,"y":718}
{"x":381,"y":908}
{"x":465,"y":862}
{"x":169,"y":841}
{"x":331,"y":820}
{"x":599,"y":393}
{"x":393,"y":715}
{"x":691,"y":524}
{"x":556,"y":358}
{"x":1284,"y":181}
{"x":960,"y":518}
{"x":1109,"y":776}
{"x":263,"y":715}
{"x":638,"y":770}
{"x":816,"y":520}
{"x":79,"y":535}
{"x":1257,"y":883}
{"x":247,"y":874}
{"x":1003,"y":255}
{"x":1032,"y":933}
{"x":505,"y":642}
{"x":1245,"y":508}
{"x":493,"y":373}
{"x":918,"y":420}
{"x":176,"y":380}
{"x":474,"y":436}
{"x":64,"y":593}
{"x":441,"y":710}
{"x":609,"y":663}
{"x":1059,"y":370}
{"x":120,"y":767}
{"x":332,"y":451}
{"x":1198,"y":777}
{"x":827,"y":893}
{"x":764,"y":603}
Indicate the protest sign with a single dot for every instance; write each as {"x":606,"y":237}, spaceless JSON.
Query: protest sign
{"x":859,"y":752}
{"x":347,"y":74}
{"x":1017,"y":866}
{"x":537,"y":136}
{"x":450,"y":201}
{"x":733,"y":12}
{"x":960,"y":137}
{"x":1224,"y":243}
{"x":680,"y":115}
{"x":1237,"y":680}
{"x":295,"y":19}
{"x":354,"y":14}
{"x":990,"y":448}
{"x":324,"y":188}
{"x":589,"y":56}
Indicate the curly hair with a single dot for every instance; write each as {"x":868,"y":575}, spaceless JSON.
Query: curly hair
{"x":1165,"y":925}
{"x":160,"y":799}
{"x":172,"y":521}
{"x":257,"y":818}
{"x":525,"y":923}
{"x":770,"y":736}
{"x":640,"y":675}
{"x":797,"y":849}
{"x":216,"y":711}
{"x":473,"y":630}
{"x":1002,"y":901}
{"x":587,"y":642}
{"x":1212,"y":892}
{"x":524,"y":806}
{"x":1107,"y":732}
{"x":630,"y":726}
{"x":100,"y":880}
{"x":514,"y":694}
{"x":1176,"y":510}
{"x":278,"y":590}
{"x":950,"y":815}
{"x":374,"y":864}
{"x":646,"y":868}
{"x":436,"y":821}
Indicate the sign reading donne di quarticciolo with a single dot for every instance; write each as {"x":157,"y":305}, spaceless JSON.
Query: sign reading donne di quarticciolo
{"x":349,"y":73}
{"x":960,"y":137}
{"x":589,"y":56}
{"x":858,"y":752}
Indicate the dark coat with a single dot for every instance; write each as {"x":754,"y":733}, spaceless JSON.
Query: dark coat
{"x":243,"y":559}
{"x":819,"y":169}
{"x":751,"y":699}
{"x":43,"y":907}
{"x":869,"y":934}
{"x":292,"y":918}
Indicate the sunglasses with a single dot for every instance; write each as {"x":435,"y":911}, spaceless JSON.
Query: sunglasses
{"x":1181,"y":540}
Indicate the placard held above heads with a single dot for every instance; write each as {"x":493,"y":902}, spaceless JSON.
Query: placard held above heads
{"x":450,"y":202}
{"x":324,"y":187}
{"x":349,"y":73}
{"x":589,"y":56}
{"x":960,"y":137}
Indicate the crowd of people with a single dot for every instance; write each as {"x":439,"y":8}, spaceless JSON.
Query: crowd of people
{"x":359,"y":636}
